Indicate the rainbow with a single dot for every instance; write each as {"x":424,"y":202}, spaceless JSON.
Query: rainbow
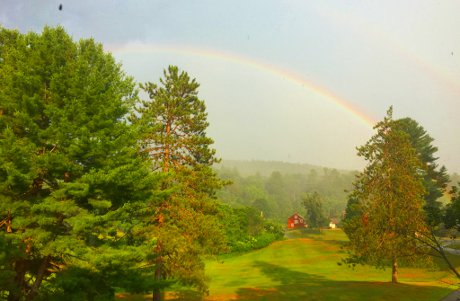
{"x":252,"y":62}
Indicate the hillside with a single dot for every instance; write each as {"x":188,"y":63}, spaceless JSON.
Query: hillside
{"x":304,"y":267}
{"x":266,"y":168}
{"x":277,"y":189}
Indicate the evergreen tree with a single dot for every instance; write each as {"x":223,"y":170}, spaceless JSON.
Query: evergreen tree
{"x":353,"y":209}
{"x":174,"y":126}
{"x":175,"y":123}
{"x":69,"y":165}
{"x":452,"y":214}
{"x":263,"y":206}
{"x":390,"y":198}
{"x":435,"y":179}
{"x":313,"y":203}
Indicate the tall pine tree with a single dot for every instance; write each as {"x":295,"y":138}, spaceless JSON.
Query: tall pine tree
{"x":388,"y":195}
{"x":174,"y":126}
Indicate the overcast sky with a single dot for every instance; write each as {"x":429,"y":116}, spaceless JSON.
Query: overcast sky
{"x":296,"y":81}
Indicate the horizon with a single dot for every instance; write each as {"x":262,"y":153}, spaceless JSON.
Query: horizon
{"x":300,"y":164}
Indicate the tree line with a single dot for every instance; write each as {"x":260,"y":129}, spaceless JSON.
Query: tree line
{"x":279,"y":195}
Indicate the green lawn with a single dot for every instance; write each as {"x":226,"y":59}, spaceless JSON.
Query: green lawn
{"x":305,"y":268}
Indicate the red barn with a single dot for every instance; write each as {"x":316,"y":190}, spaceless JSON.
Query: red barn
{"x":296,"y":221}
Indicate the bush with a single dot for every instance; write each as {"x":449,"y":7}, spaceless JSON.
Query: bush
{"x":247,"y":230}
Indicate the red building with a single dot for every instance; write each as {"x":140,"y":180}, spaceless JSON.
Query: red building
{"x":296,"y":221}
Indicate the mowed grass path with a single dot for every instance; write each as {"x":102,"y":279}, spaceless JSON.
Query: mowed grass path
{"x":305,"y":268}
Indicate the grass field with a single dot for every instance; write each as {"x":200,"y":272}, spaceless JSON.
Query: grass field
{"x":305,"y":267}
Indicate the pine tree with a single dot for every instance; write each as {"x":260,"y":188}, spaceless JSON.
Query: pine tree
{"x":71,"y":179}
{"x":313,"y":203}
{"x":174,"y":126}
{"x":389,"y":194}
{"x":175,"y":120}
{"x":436,"y":178}
{"x":452,"y":214}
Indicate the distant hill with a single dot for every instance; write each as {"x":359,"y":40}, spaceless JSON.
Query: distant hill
{"x":266,"y":168}
{"x":277,"y":188}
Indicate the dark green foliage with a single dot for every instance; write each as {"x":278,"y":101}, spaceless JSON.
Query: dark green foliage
{"x":452,"y":210}
{"x":79,"y":284}
{"x":263,"y":206}
{"x":69,"y":164}
{"x":353,"y":209}
{"x":452,"y":214}
{"x":313,"y":205}
{"x":246,"y":229}
{"x":280,"y":195}
{"x":436,"y":178}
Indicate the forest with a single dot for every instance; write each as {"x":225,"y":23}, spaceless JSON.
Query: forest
{"x":103,"y":191}
{"x":281,"y":192}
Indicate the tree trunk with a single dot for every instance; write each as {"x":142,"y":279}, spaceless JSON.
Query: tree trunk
{"x":38,"y":280}
{"x":167,"y":148}
{"x":157,"y":294}
{"x":157,"y":291}
{"x":20,"y":267}
{"x":394,"y":272}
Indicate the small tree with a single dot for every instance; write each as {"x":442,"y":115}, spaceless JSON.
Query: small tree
{"x":389,"y":194}
{"x":263,"y":206}
{"x":313,"y":203}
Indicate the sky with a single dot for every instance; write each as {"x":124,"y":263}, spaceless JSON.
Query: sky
{"x":294,"y":81}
